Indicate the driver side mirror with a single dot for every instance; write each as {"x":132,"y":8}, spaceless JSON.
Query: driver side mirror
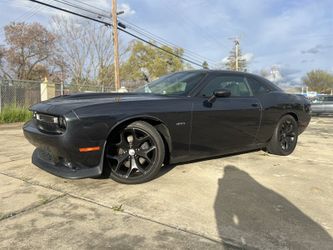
{"x":217,"y":94}
{"x":222,"y":93}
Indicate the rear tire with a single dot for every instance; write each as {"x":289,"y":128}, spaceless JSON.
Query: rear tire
{"x":284,"y":139}
{"x":136,"y":155}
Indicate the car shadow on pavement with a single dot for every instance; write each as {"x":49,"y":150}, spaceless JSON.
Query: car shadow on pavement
{"x":169,"y":167}
{"x":251,"y":215}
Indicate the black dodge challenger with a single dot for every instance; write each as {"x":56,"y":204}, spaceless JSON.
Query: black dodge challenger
{"x":180,"y":117}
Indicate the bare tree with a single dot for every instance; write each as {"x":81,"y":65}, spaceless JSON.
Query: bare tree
{"x":87,"y":47}
{"x":3,"y":71}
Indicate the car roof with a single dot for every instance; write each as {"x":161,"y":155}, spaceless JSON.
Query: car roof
{"x":220,"y":71}
{"x":230,"y":72}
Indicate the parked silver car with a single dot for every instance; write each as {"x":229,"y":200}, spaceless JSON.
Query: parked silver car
{"x":323,"y":105}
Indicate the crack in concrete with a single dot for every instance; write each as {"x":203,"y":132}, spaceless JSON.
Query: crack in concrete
{"x":30,"y":208}
{"x":225,"y":242}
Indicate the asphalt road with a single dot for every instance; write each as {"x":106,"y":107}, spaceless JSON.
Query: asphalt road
{"x":253,"y":200}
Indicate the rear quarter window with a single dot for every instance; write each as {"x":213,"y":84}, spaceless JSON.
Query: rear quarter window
{"x":258,"y":87}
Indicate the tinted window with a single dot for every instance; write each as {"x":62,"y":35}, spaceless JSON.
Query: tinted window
{"x":175,"y":84}
{"x":235,"y":84}
{"x":257,"y":87}
{"x":328,"y":99}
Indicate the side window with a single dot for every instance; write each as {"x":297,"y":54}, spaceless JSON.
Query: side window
{"x":257,"y":87}
{"x":328,"y":98}
{"x":235,"y":84}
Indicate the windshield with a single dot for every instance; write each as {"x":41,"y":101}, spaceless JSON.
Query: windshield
{"x":175,"y":84}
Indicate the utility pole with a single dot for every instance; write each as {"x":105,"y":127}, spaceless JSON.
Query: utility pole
{"x":115,"y":44}
{"x":236,"y":54}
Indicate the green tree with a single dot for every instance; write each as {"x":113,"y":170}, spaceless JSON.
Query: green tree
{"x":148,"y":62}
{"x":319,"y":80}
{"x":205,"y":65}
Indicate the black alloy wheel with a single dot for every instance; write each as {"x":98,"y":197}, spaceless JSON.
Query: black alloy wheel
{"x":284,"y":139}
{"x":287,"y":135}
{"x":137,"y":155}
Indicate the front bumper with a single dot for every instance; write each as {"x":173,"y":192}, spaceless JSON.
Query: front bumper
{"x":59,"y":154}
{"x":62,"y":170}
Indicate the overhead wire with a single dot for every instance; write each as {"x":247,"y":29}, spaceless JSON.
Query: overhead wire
{"x":26,"y":15}
{"x":121,"y":29}
{"x":68,"y":3}
{"x":141,"y":31}
{"x":162,"y":40}
{"x":192,"y":23}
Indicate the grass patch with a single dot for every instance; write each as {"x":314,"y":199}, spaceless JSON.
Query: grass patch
{"x":10,"y":114}
{"x":118,"y":208}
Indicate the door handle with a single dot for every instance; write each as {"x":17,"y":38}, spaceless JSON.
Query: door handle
{"x":254,"y":105}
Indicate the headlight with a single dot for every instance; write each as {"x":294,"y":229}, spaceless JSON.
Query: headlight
{"x":62,"y":122}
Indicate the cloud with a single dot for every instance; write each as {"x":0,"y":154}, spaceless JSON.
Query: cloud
{"x":315,"y":50}
{"x":225,"y":60}
{"x":276,"y":31}
{"x":47,"y":11}
{"x":101,"y":7}
{"x":288,"y":71}
{"x":307,"y":61}
{"x":248,"y":57}
{"x":282,"y":74}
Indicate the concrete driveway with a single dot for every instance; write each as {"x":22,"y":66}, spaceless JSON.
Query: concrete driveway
{"x":252,"y":200}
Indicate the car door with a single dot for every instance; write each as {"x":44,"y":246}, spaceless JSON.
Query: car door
{"x":328,"y":104}
{"x":229,"y":124}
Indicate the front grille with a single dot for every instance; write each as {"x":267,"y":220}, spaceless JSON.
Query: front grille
{"x":48,"y":127}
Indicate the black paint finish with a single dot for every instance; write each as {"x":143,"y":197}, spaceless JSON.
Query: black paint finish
{"x":190,"y":128}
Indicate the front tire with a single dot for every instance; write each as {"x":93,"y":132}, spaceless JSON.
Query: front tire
{"x":136,"y":154}
{"x":284,"y":139}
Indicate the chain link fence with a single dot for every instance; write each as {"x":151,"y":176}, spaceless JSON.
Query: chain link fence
{"x":126,"y":86}
{"x":19,"y":93}
{"x":23,"y":94}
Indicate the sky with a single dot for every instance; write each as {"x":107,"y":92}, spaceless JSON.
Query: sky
{"x":294,"y":36}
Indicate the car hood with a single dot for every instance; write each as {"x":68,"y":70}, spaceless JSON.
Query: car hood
{"x":61,"y":105}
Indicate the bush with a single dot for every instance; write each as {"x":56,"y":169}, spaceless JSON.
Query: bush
{"x":11,"y":114}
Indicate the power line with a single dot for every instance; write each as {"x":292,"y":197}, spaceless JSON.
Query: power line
{"x":121,"y":29}
{"x":187,"y":20}
{"x":162,"y":40}
{"x":32,"y":11}
{"x":166,"y":44}
{"x":92,"y":6}
{"x":28,"y":14}
{"x":190,"y":54}
{"x":64,"y":2}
